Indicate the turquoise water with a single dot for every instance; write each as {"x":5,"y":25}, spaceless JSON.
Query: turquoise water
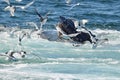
{"x":52,"y":60}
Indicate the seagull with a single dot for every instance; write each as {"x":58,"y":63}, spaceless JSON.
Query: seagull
{"x":83,"y":22}
{"x":12,"y":31}
{"x":26,"y":6}
{"x":68,"y":1}
{"x":33,"y":25}
{"x":7,"y":1}
{"x":43,"y":20}
{"x":74,"y":5}
{"x":13,"y":55}
{"x":21,"y":36}
{"x":10,"y":8}
{"x":37,"y":29}
{"x":18,"y":0}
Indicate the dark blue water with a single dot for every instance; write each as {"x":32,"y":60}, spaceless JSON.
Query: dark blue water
{"x":101,"y":13}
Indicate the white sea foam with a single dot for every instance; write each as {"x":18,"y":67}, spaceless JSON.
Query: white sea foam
{"x":52,"y":57}
{"x":53,"y":76}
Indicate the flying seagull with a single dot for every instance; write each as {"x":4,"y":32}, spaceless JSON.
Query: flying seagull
{"x":7,"y":1}
{"x":74,"y":5}
{"x":18,"y":0}
{"x":11,"y":9}
{"x":68,"y":1}
{"x":43,"y":20}
{"x":26,"y":6}
{"x":33,"y":25}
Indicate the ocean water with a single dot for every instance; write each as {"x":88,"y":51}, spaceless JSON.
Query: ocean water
{"x":52,"y":60}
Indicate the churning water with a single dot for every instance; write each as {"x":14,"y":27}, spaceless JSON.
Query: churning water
{"x":51,"y":60}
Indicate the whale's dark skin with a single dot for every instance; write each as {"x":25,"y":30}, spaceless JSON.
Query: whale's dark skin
{"x":68,"y":27}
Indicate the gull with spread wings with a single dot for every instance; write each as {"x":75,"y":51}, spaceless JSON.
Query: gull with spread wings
{"x":43,"y":20}
{"x":26,"y":6}
{"x":7,"y":1}
{"x":11,"y":8}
